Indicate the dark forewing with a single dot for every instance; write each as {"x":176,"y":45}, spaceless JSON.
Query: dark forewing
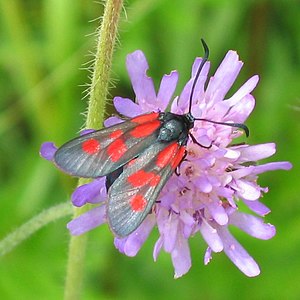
{"x":101,"y":152}
{"x":134,"y":192}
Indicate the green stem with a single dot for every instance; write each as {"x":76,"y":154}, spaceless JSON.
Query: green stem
{"x":98,"y":95}
{"x":23,"y":232}
{"x":103,"y":61}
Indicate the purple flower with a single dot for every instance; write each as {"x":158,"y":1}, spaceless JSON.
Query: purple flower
{"x":204,"y":198}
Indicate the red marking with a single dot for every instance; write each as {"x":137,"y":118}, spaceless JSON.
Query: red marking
{"x":178,"y":158}
{"x":140,"y":178}
{"x":116,"y":149}
{"x":131,"y":162}
{"x":138,"y":203}
{"x":145,"y":118}
{"x":91,"y":146}
{"x":116,"y":134}
{"x":145,"y":129}
{"x":155,"y":180}
{"x":166,"y":155}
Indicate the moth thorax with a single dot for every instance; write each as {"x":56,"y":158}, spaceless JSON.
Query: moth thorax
{"x":171,"y":130}
{"x":189,"y":120}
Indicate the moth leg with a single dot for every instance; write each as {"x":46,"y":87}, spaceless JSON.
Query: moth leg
{"x":177,"y":170}
{"x":199,"y":144}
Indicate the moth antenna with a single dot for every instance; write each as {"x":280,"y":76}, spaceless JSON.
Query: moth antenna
{"x":236,"y":125}
{"x":204,"y":60}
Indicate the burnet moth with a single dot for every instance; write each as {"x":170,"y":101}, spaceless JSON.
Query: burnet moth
{"x":138,"y":157}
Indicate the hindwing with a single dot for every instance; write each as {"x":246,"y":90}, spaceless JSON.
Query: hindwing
{"x":134,"y":192}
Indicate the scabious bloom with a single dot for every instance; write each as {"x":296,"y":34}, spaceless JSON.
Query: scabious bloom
{"x":213,"y":181}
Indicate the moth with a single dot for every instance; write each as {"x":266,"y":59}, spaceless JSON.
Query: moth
{"x":138,"y":156}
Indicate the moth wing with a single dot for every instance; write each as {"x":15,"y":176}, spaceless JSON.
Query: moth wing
{"x":135,"y":191}
{"x":102,"y":152}
{"x":112,"y":177}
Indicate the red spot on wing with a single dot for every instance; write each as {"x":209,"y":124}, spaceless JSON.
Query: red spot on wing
{"x":116,"y":134}
{"x":116,"y":149}
{"x":140,"y":178}
{"x":131,"y":162}
{"x":91,"y":146}
{"x":138,"y":203}
{"x":166,"y":155}
{"x":155,"y":180}
{"x":145,"y":129}
{"x":178,"y":158}
{"x":145,"y":118}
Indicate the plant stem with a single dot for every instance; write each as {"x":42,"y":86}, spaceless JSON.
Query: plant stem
{"x":103,"y":61}
{"x":27,"y":229}
{"x":98,"y":94}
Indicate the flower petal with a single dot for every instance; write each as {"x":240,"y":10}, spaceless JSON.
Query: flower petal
{"x":221,"y":82}
{"x":257,"y":207}
{"x":112,"y":121}
{"x":185,"y":95}
{"x":127,"y":107}
{"x":244,"y":90}
{"x":86,"y":131}
{"x":248,"y":190}
{"x":256,"y":152}
{"x":166,"y":90}
{"x":93,"y":192}
{"x":243,"y":172}
{"x":198,"y":96}
{"x":120,"y":244}
{"x":211,"y":236}
{"x":181,"y":257}
{"x":241,"y":111}
{"x":282,"y":165}
{"x":188,"y":223}
{"x":232,"y":154}
{"x":143,"y":86}
{"x":237,"y":254}
{"x":207,"y":256}
{"x":203,"y":184}
{"x":157,"y":247}
{"x":217,"y":211}
{"x":170,"y":230}
{"x":136,"y":239}
{"x":254,"y":226}
{"x":87,"y":221}
{"x":48,"y":150}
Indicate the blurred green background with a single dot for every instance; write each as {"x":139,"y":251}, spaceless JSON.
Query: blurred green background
{"x":44,"y":45}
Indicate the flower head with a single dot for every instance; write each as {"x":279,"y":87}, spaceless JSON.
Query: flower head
{"x":213,"y":180}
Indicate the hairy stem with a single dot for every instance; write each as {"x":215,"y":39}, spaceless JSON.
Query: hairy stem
{"x":27,"y":229}
{"x":98,"y":94}
{"x":103,"y":60}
